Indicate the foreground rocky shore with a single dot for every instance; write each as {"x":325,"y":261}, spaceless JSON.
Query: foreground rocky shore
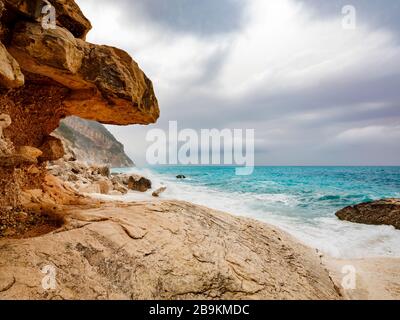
{"x":161,"y":250}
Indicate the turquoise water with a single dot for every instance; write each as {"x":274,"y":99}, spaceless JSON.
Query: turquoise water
{"x":316,"y":191}
{"x":300,"y":200}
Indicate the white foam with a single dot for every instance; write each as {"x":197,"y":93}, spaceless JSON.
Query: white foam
{"x":327,"y":234}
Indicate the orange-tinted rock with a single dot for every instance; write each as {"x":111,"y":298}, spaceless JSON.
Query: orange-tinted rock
{"x":138,"y":183}
{"x":107,"y":85}
{"x":52,"y":149}
{"x":30,"y":152}
{"x":71,"y":17}
{"x":49,"y":74}
{"x":68,"y":14}
{"x":10,"y":72}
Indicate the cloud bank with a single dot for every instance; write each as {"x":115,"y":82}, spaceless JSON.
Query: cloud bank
{"x":316,"y":93}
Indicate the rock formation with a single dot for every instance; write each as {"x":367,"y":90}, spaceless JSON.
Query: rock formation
{"x":162,"y":250}
{"x":381,"y":212}
{"x":48,"y":74}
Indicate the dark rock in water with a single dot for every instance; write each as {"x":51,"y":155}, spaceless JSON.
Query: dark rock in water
{"x":180,"y":176}
{"x":142,"y":184}
{"x":381,"y":212}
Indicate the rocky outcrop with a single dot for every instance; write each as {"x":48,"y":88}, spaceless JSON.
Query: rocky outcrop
{"x":381,"y":212}
{"x":88,"y":179}
{"x":68,"y":14}
{"x":162,"y":250}
{"x":90,"y":142}
{"x":83,"y":178}
{"x":47,"y":74}
{"x":106,"y":84}
{"x":10,"y":72}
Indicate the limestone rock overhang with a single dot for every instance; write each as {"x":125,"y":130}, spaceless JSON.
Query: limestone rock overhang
{"x":105,"y":84}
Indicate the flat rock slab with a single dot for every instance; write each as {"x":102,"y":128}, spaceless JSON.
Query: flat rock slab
{"x":162,"y":250}
{"x":381,"y":212}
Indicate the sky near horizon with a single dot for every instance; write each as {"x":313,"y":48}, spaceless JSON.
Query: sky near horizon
{"x":315,"y":93}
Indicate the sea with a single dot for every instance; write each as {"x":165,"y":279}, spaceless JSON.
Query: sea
{"x":300,"y":200}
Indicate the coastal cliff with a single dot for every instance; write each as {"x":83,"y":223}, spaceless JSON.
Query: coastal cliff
{"x":91,"y":142}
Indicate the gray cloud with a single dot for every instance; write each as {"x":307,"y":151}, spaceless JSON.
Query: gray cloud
{"x":347,"y":118}
{"x":376,"y":13}
{"x":203,"y":17}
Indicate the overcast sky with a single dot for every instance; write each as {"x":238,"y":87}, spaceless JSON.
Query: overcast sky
{"x":316,"y":93}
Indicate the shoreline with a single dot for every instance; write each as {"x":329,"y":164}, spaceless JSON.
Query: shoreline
{"x":377,"y":278}
{"x":162,"y":250}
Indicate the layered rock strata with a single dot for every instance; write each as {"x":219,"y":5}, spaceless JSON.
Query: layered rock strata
{"x":47,"y":74}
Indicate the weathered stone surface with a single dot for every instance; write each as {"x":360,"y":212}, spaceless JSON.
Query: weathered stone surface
{"x":29,"y":152}
{"x":52,"y":149}
{"x":5,"y":122}
{"x":68,"y":14}
{"x":16,"y":160}
{"x":159,"y":191}
{"x":53,"y":53}
{"x":89,"y":179}
{"x":28,"y":8}
{"x":52,"y":73}
{"x":381,"y":212}
{"x":107,"y":84}
{"x":138,"y":183}
{"x":10,"y":72}
{"x":162,"y":250}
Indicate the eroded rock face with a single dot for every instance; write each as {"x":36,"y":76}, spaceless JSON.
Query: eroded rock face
{"x":381,"y":212}
{"x":106,"y":84}
{"x":10,"y":72}
{"x":163,"y":250}
{"x":68,"y":14}
{"x":49,"y":74}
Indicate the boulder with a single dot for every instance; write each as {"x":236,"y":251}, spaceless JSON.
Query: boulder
{"x":71,"y":17}
{"x":118,"y":186}
{"x":104,"y":171}
{"x":180,"y":176}
{"x":68,"y":14}
{"x":158,"y":192}
{"x":52,"y":149}
{"x":381,"y":212}
{"x":10,"y":72}
{"x":141,"y":184}
{"x":29,"y":152}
